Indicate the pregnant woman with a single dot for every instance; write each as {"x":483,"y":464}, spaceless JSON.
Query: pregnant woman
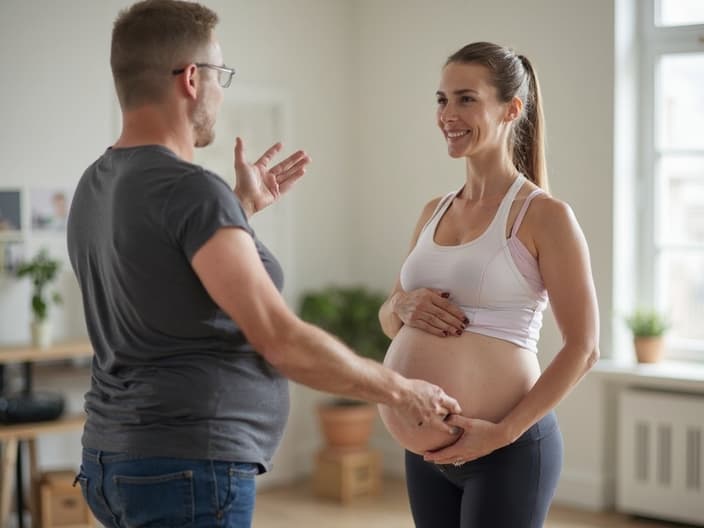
{"x":467,"y":308}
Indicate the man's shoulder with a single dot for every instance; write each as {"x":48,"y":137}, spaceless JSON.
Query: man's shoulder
{"x":157,"y":160}
{"x":199,"y":180}
{"x":154,"y":169}
{"x":179,"y":168}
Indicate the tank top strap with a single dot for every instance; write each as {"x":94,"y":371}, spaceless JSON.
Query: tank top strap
{"x":443,"y":202}
{"x":440,"y":209}
{"x":505,"y":206}
{"x":522,"y":213}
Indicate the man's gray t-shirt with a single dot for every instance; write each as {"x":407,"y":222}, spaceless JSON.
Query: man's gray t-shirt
{"x":172,"y":374}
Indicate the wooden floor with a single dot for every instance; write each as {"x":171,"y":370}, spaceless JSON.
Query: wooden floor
{"x":296,"y":506}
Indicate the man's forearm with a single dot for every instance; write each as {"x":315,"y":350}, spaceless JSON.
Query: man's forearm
{"x":318,"y":360}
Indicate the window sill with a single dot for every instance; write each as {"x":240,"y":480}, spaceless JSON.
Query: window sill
{"x":675,"y":375}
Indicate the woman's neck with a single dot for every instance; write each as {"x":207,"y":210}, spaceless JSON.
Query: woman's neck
{"x":488,"y":177}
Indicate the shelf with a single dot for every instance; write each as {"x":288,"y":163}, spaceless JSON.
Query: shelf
{"x":66,"y":350}
{"x":11,"y":435}
{"x":26,"y":431}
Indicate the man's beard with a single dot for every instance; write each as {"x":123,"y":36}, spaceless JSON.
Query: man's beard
{"x":203,"y":125}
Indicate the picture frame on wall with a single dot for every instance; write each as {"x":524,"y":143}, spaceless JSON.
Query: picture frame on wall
{"x":10,"y":214}
{"x":49,"y":209}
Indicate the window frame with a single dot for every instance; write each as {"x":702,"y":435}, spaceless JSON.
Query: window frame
{"x":655,"y":42}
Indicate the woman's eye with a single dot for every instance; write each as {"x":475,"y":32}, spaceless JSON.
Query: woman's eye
{"x":442,"y":101}
{"x":466,"y":99}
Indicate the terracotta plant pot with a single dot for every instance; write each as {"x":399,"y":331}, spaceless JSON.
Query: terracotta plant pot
{"x":649,"y":349}
{"x":347,"y":424}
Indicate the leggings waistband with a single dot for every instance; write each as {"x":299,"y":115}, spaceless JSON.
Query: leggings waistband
{"x":539,"y":430}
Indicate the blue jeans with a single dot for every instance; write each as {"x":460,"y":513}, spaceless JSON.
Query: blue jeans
{"x":125,"y":491}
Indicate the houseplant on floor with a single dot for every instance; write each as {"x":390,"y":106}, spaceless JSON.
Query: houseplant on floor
{"x":648,"y":328}
{"x":351,"y":314}
{"x":42,"y":270}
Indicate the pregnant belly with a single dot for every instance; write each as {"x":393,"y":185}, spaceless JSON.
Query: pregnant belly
{"x":487,"y":376}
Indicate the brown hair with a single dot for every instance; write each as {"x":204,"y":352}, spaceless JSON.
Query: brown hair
{"x":513,"y":75}
{"x":149,"y":40}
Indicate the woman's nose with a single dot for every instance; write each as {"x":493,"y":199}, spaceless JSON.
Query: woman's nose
{"x":448,"y":114}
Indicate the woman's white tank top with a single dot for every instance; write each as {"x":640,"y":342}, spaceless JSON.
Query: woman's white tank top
{"x":494,"y":279}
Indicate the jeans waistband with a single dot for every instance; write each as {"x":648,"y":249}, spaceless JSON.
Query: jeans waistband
{"x":97,"y":456}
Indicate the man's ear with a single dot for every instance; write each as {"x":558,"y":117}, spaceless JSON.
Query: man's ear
{"x":189,"y":81}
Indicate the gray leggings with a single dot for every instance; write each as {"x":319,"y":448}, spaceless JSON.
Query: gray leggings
{"x":509,"y":488}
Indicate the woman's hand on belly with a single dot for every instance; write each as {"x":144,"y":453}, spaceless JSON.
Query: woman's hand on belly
{"x":430,"y":310}
{"x":479,"y":438}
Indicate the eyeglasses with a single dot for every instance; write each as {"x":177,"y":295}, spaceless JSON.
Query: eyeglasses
{"x":224,"y":74}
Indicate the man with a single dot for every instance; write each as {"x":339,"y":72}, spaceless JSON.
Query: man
{"x":193,"y":341}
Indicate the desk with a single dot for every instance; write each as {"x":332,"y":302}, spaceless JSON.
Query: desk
{"x":11,"y":436}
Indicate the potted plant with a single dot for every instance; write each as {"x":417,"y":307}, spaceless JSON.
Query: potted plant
{"x":42,"y":270}
{"x":351,"y":314}
{"x":648,"y":328}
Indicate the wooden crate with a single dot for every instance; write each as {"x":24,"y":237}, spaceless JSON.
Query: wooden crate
{"x":342,"y":475}
{"x":61,"y":505}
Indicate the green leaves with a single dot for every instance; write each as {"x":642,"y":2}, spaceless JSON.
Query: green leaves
{"x":647,"y":323}
{"x":39,"y":307}
{"x":42,"y":270}
{"x":350,"y":314}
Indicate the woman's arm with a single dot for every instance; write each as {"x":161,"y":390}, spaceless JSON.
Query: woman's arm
{"x":565,"y":266}
{"x":424,"y":308}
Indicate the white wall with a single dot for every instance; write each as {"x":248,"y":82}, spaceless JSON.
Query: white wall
{"x":360,"y":75}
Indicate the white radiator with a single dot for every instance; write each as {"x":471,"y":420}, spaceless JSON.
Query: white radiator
{"x":661,"y":455}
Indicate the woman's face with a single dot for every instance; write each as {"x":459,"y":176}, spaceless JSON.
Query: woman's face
{"x":469,"y":114}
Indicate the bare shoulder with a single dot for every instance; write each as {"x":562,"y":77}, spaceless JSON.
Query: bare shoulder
{"x":553,"y":221}
{"x":431,"y":206}
{"x":428,"y":210}
{"x":425,"y":215}
{"x":549,"y":209}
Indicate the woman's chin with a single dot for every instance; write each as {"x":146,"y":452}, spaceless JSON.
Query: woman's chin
{"x":455,"y":153}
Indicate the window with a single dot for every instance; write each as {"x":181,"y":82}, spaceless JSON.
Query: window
{"x":679,"y":12}
{"x":672,"y":156}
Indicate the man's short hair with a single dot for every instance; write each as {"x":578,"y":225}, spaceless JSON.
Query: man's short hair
{"x":149,"y":40}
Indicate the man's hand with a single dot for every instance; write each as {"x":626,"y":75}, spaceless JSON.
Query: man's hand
{"x":427,"y":405}
{"x":258,"y":186}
